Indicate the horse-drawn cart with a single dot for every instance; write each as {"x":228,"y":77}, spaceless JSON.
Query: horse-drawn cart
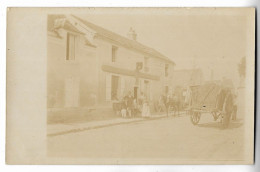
{"x":212,"y":99}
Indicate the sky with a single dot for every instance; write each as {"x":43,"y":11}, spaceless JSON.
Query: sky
{"x":205,"y":39}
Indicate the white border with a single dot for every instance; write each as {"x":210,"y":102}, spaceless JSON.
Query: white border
{"x":110,"y":3}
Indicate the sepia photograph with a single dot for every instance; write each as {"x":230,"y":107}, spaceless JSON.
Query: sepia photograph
{"x":147,"y":85}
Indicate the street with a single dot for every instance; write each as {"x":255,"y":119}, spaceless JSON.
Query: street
{"x":172,"y":138}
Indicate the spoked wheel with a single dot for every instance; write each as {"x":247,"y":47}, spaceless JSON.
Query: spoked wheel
{"x":195,"y":117}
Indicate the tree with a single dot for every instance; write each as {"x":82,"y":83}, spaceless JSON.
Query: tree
{"x":242,"y":67}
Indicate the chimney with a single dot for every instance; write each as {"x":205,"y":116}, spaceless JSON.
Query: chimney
{"x":131,"y":34}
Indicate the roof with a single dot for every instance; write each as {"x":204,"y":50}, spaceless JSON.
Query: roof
{"x":187,"y":77}
{"x":51,"y":26}
{"x":123,"y":40}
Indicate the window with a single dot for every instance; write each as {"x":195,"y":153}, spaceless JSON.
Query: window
{"x":166,"y":70}
{"x":114,"y":52}
{"x":70,"y":47}
{"x":113,"y":87}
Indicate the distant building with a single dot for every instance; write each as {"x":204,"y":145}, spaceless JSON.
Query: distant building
{"x":182,"y":80}
{"x":91,"y":66}
{"x":187,"y":77}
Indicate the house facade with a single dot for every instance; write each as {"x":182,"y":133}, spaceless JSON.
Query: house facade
{"x":89,"y":66}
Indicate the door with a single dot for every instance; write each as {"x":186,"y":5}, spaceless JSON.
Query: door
{"x":147,"y":89}
{"x":135,"y":92}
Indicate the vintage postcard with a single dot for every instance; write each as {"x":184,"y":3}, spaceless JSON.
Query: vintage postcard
{"x":130,"y":85}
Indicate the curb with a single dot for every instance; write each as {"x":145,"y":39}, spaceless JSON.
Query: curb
{"x":100,"y":126}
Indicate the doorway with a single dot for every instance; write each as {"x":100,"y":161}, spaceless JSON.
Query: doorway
{"x":147,"y":89}
{"x":135,"y":92}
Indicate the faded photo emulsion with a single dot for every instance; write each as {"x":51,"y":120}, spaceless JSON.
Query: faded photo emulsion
{"x":141,"y":86}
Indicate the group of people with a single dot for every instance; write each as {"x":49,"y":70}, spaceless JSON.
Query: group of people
{"x":129,"y":106}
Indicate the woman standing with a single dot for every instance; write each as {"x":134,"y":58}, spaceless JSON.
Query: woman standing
{"x":146,"y":109}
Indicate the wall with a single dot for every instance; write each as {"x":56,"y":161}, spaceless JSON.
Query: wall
{"x":83,"y":71}
{"x":127,"y":59}
{"x":87,"y":71}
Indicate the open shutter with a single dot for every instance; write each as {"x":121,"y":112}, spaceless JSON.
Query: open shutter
{"x":70,"y":47}
{"x":108,"y":87}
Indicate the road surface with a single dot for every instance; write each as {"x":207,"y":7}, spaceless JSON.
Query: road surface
{"x":172,"y":138}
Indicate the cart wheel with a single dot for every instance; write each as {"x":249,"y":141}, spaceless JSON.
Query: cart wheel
{"x":195,"y":117}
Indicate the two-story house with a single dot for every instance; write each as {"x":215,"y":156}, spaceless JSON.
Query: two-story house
{"x":91,"y":66}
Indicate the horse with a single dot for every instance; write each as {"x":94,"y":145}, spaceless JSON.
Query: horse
{"x":172,"y":102}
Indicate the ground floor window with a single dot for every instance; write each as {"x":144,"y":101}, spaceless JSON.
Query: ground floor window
{"x":115,"y":86}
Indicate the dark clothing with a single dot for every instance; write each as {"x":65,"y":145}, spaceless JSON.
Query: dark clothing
{"x":225,"y":105}
{"x":225,"y":101}
{"x":234,"y":113}
{"x":220,"y":100}
{"x":129,"y":101}
{"x":123,"y":104}
{"x":229,"y":106}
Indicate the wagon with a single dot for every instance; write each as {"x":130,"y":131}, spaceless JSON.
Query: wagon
{"x":205,"y":99}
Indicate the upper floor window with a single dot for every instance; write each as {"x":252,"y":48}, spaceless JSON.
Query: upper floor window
{"x":70,"y":47}
{"x":114,"y":53}
{"x":166,"y":70}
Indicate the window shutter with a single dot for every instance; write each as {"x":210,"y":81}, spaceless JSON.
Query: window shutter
{"x":108,"y":87}
{"x":70,"y":47}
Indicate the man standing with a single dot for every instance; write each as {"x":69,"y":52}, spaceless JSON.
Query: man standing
{"x":228,"y":107}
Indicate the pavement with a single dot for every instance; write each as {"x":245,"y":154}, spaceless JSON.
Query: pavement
{"x":65,"y":128}
{"x":172,"y":140}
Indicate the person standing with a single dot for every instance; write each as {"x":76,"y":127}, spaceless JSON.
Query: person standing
{"x":146,"y":109}
{"x":161,"y":103}
{"x":123,"y":107}
{"x":168,"y":104}
{"x":130,"y":103}
{"x":228,"y":107}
